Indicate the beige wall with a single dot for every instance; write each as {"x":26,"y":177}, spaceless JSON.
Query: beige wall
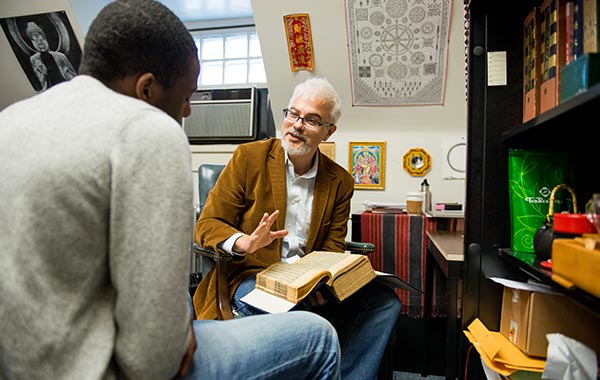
{"x":401,"y":127}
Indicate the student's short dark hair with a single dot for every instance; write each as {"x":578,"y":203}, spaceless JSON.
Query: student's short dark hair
{"x":132,"y":37}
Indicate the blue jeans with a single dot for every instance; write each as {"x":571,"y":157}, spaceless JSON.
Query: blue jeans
{"x":278,"y":346}
{"x":363,"y":322}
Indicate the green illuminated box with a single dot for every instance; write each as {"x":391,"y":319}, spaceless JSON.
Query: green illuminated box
{"x":579,"y":75}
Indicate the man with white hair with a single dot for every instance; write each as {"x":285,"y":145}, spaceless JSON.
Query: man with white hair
{"x":280,"y":199}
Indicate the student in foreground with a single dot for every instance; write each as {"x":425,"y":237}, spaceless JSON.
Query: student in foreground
{"x":96,"y":219}
{"x":280,"y":199}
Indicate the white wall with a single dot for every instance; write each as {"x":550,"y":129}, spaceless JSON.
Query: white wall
{"x":13,"y":81}
{"x":402,"y":128}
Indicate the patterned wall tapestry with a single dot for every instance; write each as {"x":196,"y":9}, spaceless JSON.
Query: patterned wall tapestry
{"x":398,"y":51}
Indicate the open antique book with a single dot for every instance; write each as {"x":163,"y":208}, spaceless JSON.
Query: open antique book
{"x":281,"y":286}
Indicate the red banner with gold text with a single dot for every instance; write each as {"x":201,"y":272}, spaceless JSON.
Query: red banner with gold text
{"x":299,"y":40}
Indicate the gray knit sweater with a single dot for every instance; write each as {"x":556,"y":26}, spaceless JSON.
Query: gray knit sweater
{"x":96,"y":221}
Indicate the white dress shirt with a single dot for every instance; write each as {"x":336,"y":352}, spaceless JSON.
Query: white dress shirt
{"x":300,"y":194}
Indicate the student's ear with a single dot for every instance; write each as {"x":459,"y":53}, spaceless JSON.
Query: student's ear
{"x":146,"y":87}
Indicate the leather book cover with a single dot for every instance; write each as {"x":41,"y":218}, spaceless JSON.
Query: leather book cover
{"x":569,"y":19}
{"x":531,"y":65}
{"x":552,"y":50}
{"x":577,"y":28}
{"x":590,"y":26}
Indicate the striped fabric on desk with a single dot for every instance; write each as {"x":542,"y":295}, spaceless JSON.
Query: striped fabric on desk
{"x":401,"y":248}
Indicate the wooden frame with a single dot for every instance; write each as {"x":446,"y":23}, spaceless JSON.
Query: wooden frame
{"x":328,"y":149}
{"x":366,"y":163}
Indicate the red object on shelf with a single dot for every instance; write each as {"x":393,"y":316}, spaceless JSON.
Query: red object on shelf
{"x":573,"y":224}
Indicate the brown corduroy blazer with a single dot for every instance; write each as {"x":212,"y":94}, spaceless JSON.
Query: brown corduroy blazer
{"x":252,"y":183}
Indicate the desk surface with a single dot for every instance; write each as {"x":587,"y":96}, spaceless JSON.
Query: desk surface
{"x":449,"y":243}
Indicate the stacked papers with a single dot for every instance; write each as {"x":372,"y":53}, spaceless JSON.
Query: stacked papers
{"x":448,"y":214}
{"x":385,"y":207}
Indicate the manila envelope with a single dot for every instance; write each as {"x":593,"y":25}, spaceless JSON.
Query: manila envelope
{"x":500,"y":354}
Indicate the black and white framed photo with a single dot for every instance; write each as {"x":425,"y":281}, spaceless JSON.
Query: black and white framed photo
{"x":45,"y":46}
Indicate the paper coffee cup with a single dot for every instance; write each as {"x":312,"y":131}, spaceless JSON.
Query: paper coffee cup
{"x":414,"y":202}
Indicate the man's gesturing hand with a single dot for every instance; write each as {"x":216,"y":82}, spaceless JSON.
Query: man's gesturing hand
{"x":261,"y":236}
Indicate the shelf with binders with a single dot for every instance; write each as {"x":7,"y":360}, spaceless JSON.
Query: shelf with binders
{"x":560,"y":46}
{"x":495,"y":125}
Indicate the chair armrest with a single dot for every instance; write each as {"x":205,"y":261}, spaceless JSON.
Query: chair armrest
{"x":216,"y":256}
{"x":360,"y":247}
{"x":219,"y":255}
{"x":221,"y":261}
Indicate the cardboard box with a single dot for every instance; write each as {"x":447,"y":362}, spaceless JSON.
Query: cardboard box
{"x":528,"y":314}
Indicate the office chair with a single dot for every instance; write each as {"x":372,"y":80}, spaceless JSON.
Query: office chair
{"x":208,"y":259}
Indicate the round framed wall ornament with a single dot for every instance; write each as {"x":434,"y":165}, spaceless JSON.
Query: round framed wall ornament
{"x":416,"y":162}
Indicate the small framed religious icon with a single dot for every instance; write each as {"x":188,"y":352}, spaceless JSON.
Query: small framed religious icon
{"x":366,"y":163}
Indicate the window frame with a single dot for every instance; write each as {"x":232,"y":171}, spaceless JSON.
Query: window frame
{"x":223,"y":32}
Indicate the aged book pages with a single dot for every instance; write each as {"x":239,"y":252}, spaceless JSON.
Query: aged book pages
{"x":338,"y":274}
{"x":344,"y":273}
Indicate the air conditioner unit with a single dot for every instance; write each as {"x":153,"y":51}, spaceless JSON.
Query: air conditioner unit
{"x":229,"y":116}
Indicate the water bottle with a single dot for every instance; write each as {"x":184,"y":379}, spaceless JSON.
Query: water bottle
{"x":426,"y":197}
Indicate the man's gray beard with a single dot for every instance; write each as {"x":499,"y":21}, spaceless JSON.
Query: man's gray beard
{"x":293,"y":150}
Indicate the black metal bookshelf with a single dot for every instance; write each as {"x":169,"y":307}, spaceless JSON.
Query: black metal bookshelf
{"x":530,"y":264}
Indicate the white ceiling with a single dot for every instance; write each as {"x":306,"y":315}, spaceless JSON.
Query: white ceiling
{"x":202,"y":10}
{"x":189,"y":11}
